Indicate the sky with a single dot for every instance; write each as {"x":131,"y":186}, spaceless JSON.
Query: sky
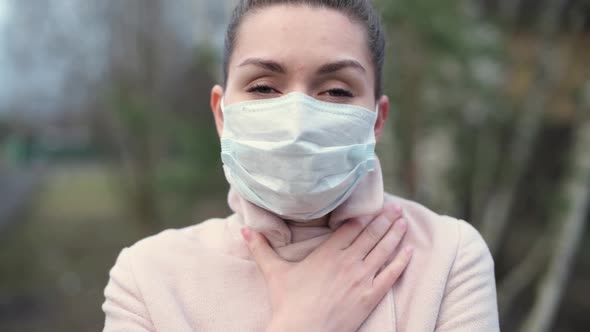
{"x":40,"y":44}
{"x":35,"y":69}
{"x":3,"y":10}
{"x":4,"y":15}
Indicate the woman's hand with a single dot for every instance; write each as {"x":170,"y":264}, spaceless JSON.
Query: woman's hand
{"x":339,"y":284}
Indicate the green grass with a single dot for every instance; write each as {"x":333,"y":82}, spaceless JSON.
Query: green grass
{"x":55,"y":260}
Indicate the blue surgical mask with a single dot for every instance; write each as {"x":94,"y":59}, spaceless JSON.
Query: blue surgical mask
{"x":297,"y":156}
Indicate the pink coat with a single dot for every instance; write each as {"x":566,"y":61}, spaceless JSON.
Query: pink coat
{"x":201,"y":278}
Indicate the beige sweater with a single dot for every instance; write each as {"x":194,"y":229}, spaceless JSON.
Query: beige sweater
{"x":201,"y":278}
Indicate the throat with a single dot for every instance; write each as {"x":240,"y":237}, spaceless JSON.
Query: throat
{"x":323,"y":221}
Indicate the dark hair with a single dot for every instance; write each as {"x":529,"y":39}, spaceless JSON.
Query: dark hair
{"x":361,"y":11}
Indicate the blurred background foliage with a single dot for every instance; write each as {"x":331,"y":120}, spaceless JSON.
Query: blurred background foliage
{"x":106,"y":137}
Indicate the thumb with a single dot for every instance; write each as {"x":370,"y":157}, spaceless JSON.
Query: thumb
{"x":264,"y":255}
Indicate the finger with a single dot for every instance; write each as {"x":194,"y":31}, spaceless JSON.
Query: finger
{"x":262,"y":253}
{"x":388,"y":276}
{"x":383,"y":250}
{"x":375,"y":231}
{"x":345,"y":235}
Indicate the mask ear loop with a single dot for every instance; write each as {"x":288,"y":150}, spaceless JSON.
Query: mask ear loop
{"x":222,"y":103}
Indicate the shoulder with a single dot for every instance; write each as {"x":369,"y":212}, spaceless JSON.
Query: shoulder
{"x":455,"y":239}
{"x":432,"y":225}
{"x":200,"y":237}
{"x":173,"y":249}
{"x":453,"y":263}
{"x":147,"y":272}
{"x":166,"y":259}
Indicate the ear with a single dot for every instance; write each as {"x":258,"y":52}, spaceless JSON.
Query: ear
{"x":383,"y":105}
{"x":215,"y":103}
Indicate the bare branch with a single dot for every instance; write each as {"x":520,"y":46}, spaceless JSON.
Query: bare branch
{"x":522,"y":276}
{"x":550,"y":62}
{"x":576,"y":191}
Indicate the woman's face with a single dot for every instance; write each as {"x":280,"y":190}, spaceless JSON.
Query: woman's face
{"x":317,"y":51}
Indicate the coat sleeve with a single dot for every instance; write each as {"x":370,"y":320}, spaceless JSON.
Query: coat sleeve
{"x":123,"y":307}
{"x":469,"y":302}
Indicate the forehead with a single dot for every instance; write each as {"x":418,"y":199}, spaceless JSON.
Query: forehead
{"x":300,"y":36}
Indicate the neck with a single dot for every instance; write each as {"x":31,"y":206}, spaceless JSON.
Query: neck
{"x":322,"y":221}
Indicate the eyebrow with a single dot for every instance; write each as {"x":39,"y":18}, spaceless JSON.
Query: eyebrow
{"x":339,"y":65}
{"x":264,"y":64}
{"x":328,"y":68}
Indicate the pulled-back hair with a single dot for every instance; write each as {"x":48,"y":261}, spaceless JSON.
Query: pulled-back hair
{"x":360,"y":11}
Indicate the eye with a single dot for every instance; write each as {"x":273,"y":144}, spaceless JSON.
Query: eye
{"x":340,"y":93}
{"x":261,"y":89}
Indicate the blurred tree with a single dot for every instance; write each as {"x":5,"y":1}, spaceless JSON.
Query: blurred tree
{"x":573,"y":218}
{"x":444,"y":72}
{"x":157,"y":93}
{"x":134,"y":77}
{"x":467,"y":130}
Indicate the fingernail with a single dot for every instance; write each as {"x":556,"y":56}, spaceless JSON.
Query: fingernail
{"x":246,"y":234}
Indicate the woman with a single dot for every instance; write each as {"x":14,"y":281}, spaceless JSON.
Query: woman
{"x":314,"y":243}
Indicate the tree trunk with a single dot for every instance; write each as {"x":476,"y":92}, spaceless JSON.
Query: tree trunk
{"x":577,"y":193}
{"x":550,"y":64}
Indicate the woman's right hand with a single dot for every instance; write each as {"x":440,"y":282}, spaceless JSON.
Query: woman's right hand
{"x":339,"y":284}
